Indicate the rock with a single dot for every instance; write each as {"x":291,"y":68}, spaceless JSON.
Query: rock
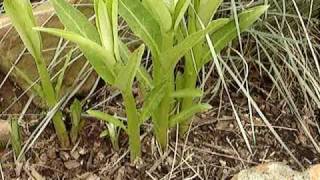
{"x":11,"y":47}
{"x":275,"y":170}
{"x":4,"y":133}
{"x":72,"y":164}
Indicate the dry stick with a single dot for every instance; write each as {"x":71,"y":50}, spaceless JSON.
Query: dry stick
{"x":307,"y":36}
{"x":237,"y":153}
{"x":1,"y":171}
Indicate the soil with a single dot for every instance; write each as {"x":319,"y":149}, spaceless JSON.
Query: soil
{"x":214,"y":149}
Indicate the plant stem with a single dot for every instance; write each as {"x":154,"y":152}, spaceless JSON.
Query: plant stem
{"x":50,"y":98}
{"x":61,"y":130}
{"x":190,"y":80}
{"x":133,"y":125}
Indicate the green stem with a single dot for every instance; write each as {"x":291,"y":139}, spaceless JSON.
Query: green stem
{"x":190,"y":80}
{"x":61,"y":130}
{"x":133,"y":125}
{"x":50,"y":98}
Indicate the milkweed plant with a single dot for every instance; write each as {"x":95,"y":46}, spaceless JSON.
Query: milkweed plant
{"x":173,"y":31}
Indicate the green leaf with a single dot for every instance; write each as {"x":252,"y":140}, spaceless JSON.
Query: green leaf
{"x":20,"y":12}
{"x":174,"y":54}
{"x":101,"y":61}
{"x":207,"y":10}
{"x":160,"y":12}
{"x":179,"y":81}
{"x":142,"y":74}
{"x":15,"y":137}
{"x":228,"y":32}
{"x":152,"y":101}
{"x":186,"y":114}
{"x":74,"y":20}
{"x":142,"y":23}
{"x":104,"y":25}
{"x":128,"y":72}
{"x":171,"y":4}
{"x":114,"y":135}
{"x":107,"y":118}
{"x":114,"y":23}
{"x":104,"y":133}
{"x":180,"y":10}
{"x":75,"y":119}
{"x":188,"y":92}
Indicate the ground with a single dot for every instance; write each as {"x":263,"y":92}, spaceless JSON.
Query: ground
{"x":214,"y":148}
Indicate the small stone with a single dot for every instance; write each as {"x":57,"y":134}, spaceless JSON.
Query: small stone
{"x":75,"y":155}
{"x":83,"y":151}
{"x":72,"y":164}
{"x":52,"y":153}
{"x":64,"y":156}
{"x":222,"y":163}
{"x":44,"y":157}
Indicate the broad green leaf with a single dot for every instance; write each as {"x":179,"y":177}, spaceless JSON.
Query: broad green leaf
{"x":187,"y":93}
{"x":142,"y":74}
{"x":152,"y":101}
{"x":114,"y":23}
{"x":20,"y":13}
{"x":75,"y":119}
{"x":207,"y":10}
{"x":186,"y":114}
{"x":171,"y":4}
{"x":21,"y":16}
{"x":128,"y":72}
{"x":228,"y":32}
{"x":142,"y":23}
{"x":174,"y":54}
{"x":101,"y":61}
{"x":179,"y":12}
{"x":160,"y":12}
{"x":74,"y":20}
{"x":107,"y":118}
{"x":104,"y":25}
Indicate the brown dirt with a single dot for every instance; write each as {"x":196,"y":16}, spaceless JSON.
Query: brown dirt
{"x":215,"y":148}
